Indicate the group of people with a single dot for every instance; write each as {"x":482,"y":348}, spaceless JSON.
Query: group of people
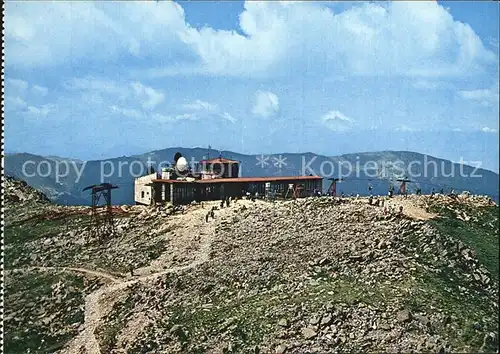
{"x":388,"y":209}
{"x":317,"y":193}
{"x":225,"y":201}
{"x":376,"y":202}
{"x":210,"y":214}
{"x":251,"y":196}
{"x":391,"y":210}
{"x":452,"y":191}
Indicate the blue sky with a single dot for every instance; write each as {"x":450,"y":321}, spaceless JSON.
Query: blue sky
{"x":94,"y":80}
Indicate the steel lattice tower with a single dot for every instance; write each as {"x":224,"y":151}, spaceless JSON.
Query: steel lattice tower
{"x":101,"y":217}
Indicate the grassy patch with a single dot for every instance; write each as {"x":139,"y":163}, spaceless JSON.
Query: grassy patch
{"x":37,"y":319}
{"x":32,"y":230}
{"x":41,"y":241}
{"x":248,"y":320}
{"x":468,"y":306}
{"x":480,"y":232}
{"x":470,"y":316}
{"x":113,"y":323}
{"x":19,"y":238}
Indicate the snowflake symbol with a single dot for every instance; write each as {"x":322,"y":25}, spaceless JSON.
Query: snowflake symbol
{"x":279,"y":161}
{"x":262,"y":161}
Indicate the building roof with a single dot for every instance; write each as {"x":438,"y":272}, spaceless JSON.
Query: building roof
{"x":243,"y":179}
{"x":170,"y":181}
{"x":219,"y":160}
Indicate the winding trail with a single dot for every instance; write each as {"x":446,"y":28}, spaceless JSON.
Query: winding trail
{"x":98,"y":303}
{"x":94,"y":273}
{"x":101,"y":301}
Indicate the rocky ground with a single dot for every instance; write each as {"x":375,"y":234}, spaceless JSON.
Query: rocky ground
{"x":48,"y":303}
{"x":19,"y":192}
{"x":42,"y":234}
{"x":308,"y":276}
{"x":311,"y":276}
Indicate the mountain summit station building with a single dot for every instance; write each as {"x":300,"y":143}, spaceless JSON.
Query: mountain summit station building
{"x":218,"y":179}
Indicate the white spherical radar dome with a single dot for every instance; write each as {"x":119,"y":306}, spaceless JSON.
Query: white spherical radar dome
{"x":181,"y":164}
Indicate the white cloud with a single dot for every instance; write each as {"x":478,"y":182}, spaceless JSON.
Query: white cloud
{"x":200,"y":109}
{"x":14,"y":103}
{"x":21,"y":101}
{"x":200,"y":105}
{"x":489,"y":130}
{"x":485,"y":97}
{"x":493,"y":42}
{"x":127,"y":112}
{"x":396,"y":38}
{"x":145,"y":96}
{"x":42,"y":111}
{"x":17,"y":84}
{"x":96,"y":85}
{"x":228,"y":117}
{"x":24,"y":88}
{"x":40,"y":90}
{"x":405,"y":128}
{"x":173,"y":118}
{"x":95,"y":31}
{"x":367,"y":39}
{"x":423,"y":84}
{"x":195,"y":111}
{"x":337,"y":121}
{"x":150,"y":97}
{"x":266,"y":104}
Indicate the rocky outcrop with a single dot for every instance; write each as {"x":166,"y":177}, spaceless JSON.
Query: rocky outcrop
{"x":307,"y":276}
{"x":17,"y":191}
{"x":318,"y":276}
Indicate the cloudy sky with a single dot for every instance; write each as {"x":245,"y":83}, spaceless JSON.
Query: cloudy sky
{"x":93,"y":80}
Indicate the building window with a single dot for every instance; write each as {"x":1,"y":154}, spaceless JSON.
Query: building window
{"x":142,"y":194}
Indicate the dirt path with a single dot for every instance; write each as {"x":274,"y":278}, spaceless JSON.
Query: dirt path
{"x":94,"y":273}
{"x":100,"y":302}
{"x":411,"y":209}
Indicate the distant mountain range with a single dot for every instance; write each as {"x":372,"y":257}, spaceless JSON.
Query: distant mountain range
{"x":367,"y":168}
